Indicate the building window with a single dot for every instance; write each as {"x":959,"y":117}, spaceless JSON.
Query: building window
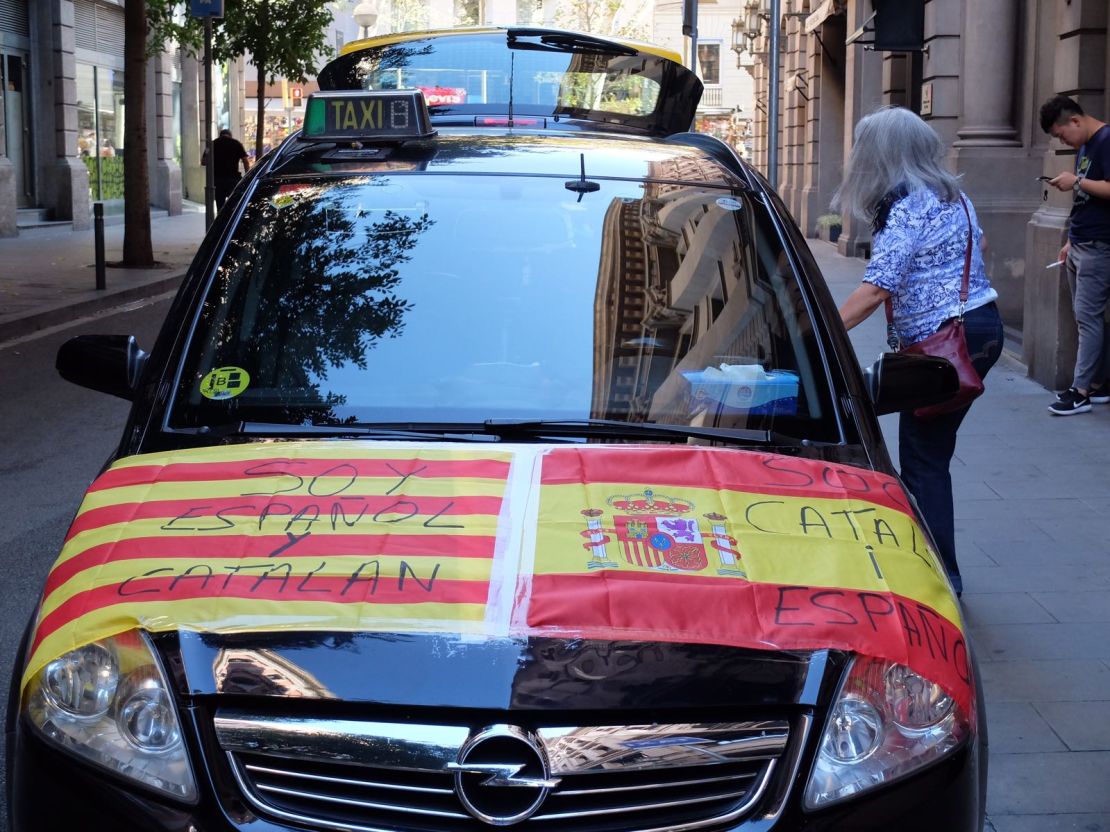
{"x":709,"y":62}
{"x":100,"y":129}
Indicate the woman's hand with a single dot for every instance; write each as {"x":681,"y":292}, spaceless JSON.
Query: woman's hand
{"x":861,"y":303}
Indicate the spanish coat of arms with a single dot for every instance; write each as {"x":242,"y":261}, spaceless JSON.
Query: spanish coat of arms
{"x":659,"y":532}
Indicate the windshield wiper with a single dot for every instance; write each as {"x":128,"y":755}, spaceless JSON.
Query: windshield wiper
{"x":496,"y":430}
{"x":628,"y":430}
{"x":430,"y":432}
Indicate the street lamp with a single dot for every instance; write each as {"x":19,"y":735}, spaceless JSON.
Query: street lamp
{"x":365,"y":15}
{"x":737,"y":35}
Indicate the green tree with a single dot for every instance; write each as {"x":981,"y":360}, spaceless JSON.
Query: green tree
{"x":284,"y":38}
{"x":612,"y":18}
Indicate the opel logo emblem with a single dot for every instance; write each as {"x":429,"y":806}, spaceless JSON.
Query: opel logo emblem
{"x":501,"y":775}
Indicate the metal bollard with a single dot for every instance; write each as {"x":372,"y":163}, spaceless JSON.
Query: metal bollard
{"x":98,"y":244}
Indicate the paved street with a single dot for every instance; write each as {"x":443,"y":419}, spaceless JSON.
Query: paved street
{"x":54,"y":437}
{"x":1030,"y":491}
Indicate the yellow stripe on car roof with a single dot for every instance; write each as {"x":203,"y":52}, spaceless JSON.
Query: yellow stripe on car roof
{"x":402,"y":37}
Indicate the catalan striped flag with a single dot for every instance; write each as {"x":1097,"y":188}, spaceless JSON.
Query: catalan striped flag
{"x":748,"y":549}
{"x":275,"y":536}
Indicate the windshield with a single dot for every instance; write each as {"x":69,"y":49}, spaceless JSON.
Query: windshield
{"x":445,"y":298}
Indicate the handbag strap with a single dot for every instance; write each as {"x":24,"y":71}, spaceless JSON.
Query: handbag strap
{"x":892,"y":337}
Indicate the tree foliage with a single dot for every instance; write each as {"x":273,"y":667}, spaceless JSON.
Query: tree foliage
{"x":281,"y":38}
{"x":613,"y":18}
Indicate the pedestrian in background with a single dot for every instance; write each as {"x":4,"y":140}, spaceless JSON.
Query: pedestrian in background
{"x":1086,"y":254}
{"x":227,"y":153}
{"x":895,"y":179}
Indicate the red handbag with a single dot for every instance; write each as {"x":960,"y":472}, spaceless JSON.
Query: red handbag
{"x":950,"y":343}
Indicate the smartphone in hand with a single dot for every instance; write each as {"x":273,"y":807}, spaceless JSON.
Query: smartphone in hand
{"x":1045,"y":178}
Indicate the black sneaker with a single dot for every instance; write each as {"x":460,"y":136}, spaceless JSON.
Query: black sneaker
{"x":1069,"y":403}
{"x":1097,"y":395}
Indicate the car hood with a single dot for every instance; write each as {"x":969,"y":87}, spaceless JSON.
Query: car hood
{"x":424,"y":670}
{"x":449,"y":544}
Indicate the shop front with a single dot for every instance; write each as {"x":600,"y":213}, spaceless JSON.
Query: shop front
{"x":100,"y":102}
{"x":15,"y":98}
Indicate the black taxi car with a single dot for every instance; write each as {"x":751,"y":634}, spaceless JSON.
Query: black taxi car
{"x":502,"y":462}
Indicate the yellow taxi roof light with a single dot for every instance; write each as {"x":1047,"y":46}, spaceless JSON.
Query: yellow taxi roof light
{"x":367,"y":116}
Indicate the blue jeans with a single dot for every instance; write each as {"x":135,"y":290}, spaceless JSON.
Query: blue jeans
{"x":925,"y":446}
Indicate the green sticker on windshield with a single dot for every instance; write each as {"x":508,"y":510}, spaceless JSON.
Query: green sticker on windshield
{"x":224,"y":383}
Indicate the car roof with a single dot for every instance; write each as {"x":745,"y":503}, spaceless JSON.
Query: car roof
{"x":404,"y":37}
{"x":534,"y":153}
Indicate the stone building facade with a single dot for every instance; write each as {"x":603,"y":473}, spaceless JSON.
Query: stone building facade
{"x":986,"y":68}
{"x":62,"y":113}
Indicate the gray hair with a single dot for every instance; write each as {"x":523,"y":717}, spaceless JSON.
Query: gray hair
{"x":893,"y":146}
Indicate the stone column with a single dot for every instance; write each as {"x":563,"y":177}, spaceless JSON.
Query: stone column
{"x":824,"y":150}
{"x":800,"y":92}
{"x":988,"y":70}
{"x":789,"y":185}
{"x":8,"y":215}
{"x":62,"y":178}
{"x":192,"y":174}
{"x":988,"y":151}
{"x":1067,"y":50}
{"x":863,"y":74}
{"x":238,"y":88}
{"x":165,"y":175}
{"x":759,"y":120}
{"x":896,"y":79}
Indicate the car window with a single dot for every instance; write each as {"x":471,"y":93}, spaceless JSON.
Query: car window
{"x":490,"y":73}
{"x":451,"y":298}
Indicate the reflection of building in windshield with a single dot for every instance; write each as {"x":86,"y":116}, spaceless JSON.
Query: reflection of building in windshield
{"x":679,"y":289}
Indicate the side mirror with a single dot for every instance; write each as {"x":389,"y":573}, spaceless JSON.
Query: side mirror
{"x":898,"y":381}
{"x":105,"y":363}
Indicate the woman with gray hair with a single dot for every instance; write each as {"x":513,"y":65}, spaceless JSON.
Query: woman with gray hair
{"x":921,"y":221}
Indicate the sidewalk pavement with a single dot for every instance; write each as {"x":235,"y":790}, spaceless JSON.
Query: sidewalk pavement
{"x":1032,"y":494}
{"x":1031,"y":490}
{"x":47,"y":275}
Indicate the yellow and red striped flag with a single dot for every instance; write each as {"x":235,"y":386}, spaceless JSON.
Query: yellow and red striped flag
{"x":276,"y":536}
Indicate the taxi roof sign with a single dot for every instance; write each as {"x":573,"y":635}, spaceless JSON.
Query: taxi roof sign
{"x":367,"y":116}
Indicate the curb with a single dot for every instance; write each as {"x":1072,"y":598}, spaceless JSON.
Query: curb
{"x":17,"y":326}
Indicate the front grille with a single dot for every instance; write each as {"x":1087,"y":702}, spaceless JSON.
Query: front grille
{"x":366,"y":776}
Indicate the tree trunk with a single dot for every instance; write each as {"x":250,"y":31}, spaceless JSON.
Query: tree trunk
{"x":137,"y":249}
{"x":260,"y":104}
{"x":260,"y":61}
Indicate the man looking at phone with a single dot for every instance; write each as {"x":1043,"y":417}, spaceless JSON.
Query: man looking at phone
{"x":1086,"y":254}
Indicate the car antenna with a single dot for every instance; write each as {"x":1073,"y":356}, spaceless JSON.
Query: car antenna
{"x":582,"y":185}
{"x":512,"y":68}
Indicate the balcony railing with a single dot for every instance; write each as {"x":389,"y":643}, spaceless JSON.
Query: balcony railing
{"x":711,"y":97}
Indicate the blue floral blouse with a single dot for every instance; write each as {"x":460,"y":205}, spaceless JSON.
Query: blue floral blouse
{"x":918,"y":256}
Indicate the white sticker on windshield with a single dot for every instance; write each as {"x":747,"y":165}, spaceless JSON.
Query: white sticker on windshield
{"x":730,"y":203}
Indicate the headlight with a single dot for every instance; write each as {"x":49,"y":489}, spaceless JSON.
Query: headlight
{"x":109,"y":703}
{"x":887,"y":721}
